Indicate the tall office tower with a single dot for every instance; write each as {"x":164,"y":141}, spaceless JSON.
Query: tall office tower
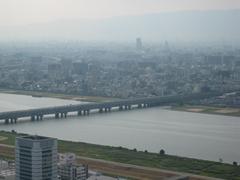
{"x":139,"y":44}
{"x":36,"y":158}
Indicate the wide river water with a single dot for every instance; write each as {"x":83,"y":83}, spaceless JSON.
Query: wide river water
{"x":196,"y":135}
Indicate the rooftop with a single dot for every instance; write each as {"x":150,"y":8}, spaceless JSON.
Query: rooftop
{"x":34,"y":137}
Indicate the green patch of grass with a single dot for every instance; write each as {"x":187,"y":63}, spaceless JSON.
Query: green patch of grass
{"x":124,"y":155}
{"x":10,"y":138}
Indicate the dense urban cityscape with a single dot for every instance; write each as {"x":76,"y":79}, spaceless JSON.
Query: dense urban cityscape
{"x":116,"y":71}
{"x":119,"y":90}
{"x":120,"y":70}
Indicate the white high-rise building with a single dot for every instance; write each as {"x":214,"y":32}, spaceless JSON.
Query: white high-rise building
{"x":36,"y":158}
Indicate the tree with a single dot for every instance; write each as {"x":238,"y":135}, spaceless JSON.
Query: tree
{"x":235,"y":163}
{"x":13,"y":131}
{"x":120,"y":147}
{"x":161,"y":152}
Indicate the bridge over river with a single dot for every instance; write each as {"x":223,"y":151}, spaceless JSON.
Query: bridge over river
{"x":85,"y":109}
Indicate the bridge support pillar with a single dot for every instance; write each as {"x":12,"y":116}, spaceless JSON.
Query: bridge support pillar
{"x":107,"y":109}
{"x":100,"y":110}
{"x":79,"y":113}
{"x":84,"y":112}
{"x":139,"y":106}
{"x":88,"y":112}
{"x":126,"y":107}
{"x":65,"y":114}
{"x":12,"y":120}
{"x":120,"y":108}
{"x":32,"y":118}
{"x":56,"y":115}
{"x":6,"y":121}
{"x":61,"y":115}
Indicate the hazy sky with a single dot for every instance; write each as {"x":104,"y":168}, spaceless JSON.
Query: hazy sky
{"x":14,"y":12}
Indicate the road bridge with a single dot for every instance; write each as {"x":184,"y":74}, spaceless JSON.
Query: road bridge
{"x":85,"y":109}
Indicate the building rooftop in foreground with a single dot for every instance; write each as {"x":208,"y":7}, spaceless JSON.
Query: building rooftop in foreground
{"x":34,"y":137}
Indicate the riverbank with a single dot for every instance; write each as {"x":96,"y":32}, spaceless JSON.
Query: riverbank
{"x":134,"y":157}
{"x":58,"y":95}
{"x":226,"y":111}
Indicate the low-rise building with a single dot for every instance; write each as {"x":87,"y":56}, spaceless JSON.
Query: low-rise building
{"x":72,"y":172}
{"x":7,"y":174}
{"x":7,"y":170}
{"x":68,"y":169}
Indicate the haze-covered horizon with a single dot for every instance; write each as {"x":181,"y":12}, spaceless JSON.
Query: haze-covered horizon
{"x":15,"y":12}
{"x":204,"y":25}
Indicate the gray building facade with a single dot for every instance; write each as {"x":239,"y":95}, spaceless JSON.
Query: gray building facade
{"x":73,"y":172}
{"x":36,"y":158}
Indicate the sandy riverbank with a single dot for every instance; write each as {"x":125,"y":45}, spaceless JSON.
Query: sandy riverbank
{"x":227,"y":111}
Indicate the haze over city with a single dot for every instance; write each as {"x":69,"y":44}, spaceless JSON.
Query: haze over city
{"x":120,"y":20}
{"x":119,"y":89}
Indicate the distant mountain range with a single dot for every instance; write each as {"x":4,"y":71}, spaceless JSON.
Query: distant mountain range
{"x":217,"y":25}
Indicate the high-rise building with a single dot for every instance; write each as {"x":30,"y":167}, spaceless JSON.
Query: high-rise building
{"x":80,"y":68}
{"x":54,"y":70}
{"x":66,"y":67}
{"x":36,"y":158}
{"x":139,"y":44}
{"x":166,"y":47}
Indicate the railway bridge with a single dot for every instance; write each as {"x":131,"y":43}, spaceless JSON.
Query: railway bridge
{"x":85,"y":109}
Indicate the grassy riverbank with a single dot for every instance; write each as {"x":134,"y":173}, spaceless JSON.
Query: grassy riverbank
{"x":227,"y":111}
{"x":123,"y":155}
{"x":58,"y":95}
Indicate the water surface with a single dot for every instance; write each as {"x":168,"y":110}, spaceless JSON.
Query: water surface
{"x":196,"y":135}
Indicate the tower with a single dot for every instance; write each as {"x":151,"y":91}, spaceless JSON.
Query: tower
{"x":139,"y":44}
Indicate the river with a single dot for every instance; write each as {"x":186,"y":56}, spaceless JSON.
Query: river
{"x":195,"y":135}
